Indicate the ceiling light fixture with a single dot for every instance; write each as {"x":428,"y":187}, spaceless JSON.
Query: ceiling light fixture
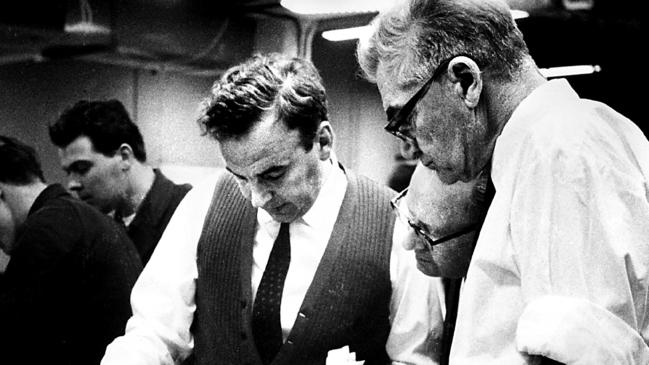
{"x":519,"y":14}
{"x":564,"y":71}
{"x":86,"y":25}
{"x":344,"y":34}
{"x":319,"y":7}
{"x":335,"y":6}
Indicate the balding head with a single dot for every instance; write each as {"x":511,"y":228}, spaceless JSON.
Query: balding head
{"x":443,"y":210}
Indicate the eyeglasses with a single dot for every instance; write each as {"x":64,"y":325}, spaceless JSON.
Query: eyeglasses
{"x":400,"y":117}
{"x":404,"y":215}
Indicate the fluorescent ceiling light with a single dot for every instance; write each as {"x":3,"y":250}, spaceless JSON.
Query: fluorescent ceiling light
{"x":519,"y":14}
{"x":322,"y":7}
{"x":346,"y":33}
{"x":86,"y":25}
{"x":562,"y":71}
{"x":357,"y":32}
{"x":570,"y":70}
{"x":315,"y":7}
{"x":86,"y":28}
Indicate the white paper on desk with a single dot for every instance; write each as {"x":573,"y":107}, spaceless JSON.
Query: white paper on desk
{"x":342,"y":356}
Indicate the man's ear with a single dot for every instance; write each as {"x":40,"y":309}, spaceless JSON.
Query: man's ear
{"x":126,"y":156}
{"x":467,"y":78}
{"x":324,"y":140}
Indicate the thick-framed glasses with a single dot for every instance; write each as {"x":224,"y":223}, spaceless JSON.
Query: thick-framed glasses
{"x":397,"y":119}
{"x":404,"y":216}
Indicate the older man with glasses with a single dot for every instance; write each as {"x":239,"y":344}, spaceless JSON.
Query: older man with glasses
{"x":560,"y":270}
{"x":444,"y":221}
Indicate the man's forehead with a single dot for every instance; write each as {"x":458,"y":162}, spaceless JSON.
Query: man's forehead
{"x":79,"y":150}
{"x":414,"y":201}
{"x":259,"y":165}
{"x":260,"y":150}
{"x":80,"y":145}
{"x":421,"y":190}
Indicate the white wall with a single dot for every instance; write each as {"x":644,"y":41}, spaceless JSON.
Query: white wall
{"x":165,"y":107}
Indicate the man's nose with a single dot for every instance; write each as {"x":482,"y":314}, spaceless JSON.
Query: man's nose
{"x":74,"y":184}
{"x":412,"y":241}
{"x":259,"y":195}
{"x":410,"y":150}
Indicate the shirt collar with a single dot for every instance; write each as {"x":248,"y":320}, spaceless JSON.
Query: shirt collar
{"x":327,"y":204}
{"x":545,"y":98}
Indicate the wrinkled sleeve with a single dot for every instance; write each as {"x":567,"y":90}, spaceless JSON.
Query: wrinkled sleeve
{"x":579,"y":230}
{"x":575,"y":331}
{"x":163,"y":296}
{"x":415,"y":309}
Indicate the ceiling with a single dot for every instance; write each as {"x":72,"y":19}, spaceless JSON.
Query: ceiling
{"x":207,"y":36}
{"x":192,"y":36}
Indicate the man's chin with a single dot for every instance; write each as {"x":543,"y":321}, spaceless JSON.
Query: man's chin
{"x":448,"y":176}
{"x":102,"y":207}
{"x":446,"y":262}
{"x":283,"y":215}
{"x":446,"y":271}
{"x":428,"y":269}
{"x":425,"y":263}
{"x":90,"y":200}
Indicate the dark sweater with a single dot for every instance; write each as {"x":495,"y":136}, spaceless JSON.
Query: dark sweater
{"x":65,"y":294}
{"x":347,"y":303}
{"x":154,"y":214}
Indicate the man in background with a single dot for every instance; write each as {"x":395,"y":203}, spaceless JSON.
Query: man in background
{"x":286,"y":258}
{"x":561,"y":267}
{"x":406,"y":161}
{"x":103,"y":154}
{"x":65,"y":293}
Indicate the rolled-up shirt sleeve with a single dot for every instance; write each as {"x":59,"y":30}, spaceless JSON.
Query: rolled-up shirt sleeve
{"x":163,"y":296}
{"x":579,"y":224}
{"x":575,"y":331}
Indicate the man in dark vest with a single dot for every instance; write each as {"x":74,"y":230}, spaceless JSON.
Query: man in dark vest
{"x":288,"y":257}
{"x":103,"y":153}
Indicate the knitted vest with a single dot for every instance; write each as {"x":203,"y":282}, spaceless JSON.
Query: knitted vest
{"x":346,"y":304}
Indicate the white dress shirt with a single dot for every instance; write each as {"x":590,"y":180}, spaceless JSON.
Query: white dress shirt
{"x":570,"y":220}
{"x":163,"y":297}
{"x":309,"y":238}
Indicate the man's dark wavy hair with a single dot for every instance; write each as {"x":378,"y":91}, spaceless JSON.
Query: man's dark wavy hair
{"x":19,"y":163}
{"x":288,"y":87}
{"x":106,"y":123}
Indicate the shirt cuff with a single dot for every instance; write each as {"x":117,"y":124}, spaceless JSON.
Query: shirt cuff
{"x":575,"y":331}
